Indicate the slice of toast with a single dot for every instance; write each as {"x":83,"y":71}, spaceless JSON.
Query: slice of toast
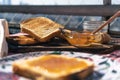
{"x":21,"y":39}
{"x":41,"y":28}
{"x":53,"y":67}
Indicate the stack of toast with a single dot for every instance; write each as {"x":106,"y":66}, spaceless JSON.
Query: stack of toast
{"x":38,"y":29}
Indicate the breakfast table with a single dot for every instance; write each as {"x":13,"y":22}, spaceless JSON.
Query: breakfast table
{"x":107,"y":62}
{"x":106,"y":65}
{"x":106,"y":59}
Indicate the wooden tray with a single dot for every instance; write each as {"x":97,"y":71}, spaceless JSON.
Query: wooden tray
{"x":60,"y":45}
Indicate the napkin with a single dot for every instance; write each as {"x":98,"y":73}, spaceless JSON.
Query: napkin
{"x":4,"y":32}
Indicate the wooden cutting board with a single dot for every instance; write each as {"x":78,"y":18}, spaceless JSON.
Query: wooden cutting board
{"x":58,"y":45}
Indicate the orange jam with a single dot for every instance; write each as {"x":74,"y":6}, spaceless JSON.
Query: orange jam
{"x":80,"y":39}
{"x":55,"y":64}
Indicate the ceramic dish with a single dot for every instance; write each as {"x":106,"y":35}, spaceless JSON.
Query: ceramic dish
{"x":103,"y":66}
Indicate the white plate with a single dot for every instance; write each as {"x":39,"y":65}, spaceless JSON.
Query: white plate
{"x":102,"y":64}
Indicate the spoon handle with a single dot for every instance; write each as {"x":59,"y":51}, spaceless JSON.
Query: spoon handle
{"x":107,"y":22}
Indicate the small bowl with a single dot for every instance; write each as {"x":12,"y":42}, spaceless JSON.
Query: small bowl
{"x":78,"y":38}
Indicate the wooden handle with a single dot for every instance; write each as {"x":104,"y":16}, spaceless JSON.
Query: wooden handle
{"x":107,"y":22}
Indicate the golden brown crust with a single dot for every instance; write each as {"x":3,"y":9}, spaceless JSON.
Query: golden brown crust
{"x":41,"y":28}
{"x":21,"y":40}
{"x":24,"y":71}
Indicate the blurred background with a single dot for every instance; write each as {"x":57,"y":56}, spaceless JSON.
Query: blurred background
{"x":69,"y":21}
{"x":55,"y":2}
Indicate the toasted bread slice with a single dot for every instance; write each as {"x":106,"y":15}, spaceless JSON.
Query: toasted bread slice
{"x":102,"y":38}
{"x":53,"y":67}
{"x":21,"y":39}
{"x":40,"y":28}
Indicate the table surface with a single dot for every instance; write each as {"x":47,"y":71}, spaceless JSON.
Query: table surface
{"x":107,"y":61}
{"x":106,"y":65}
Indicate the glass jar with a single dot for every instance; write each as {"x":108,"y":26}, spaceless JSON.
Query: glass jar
{"x":80,"y":39}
